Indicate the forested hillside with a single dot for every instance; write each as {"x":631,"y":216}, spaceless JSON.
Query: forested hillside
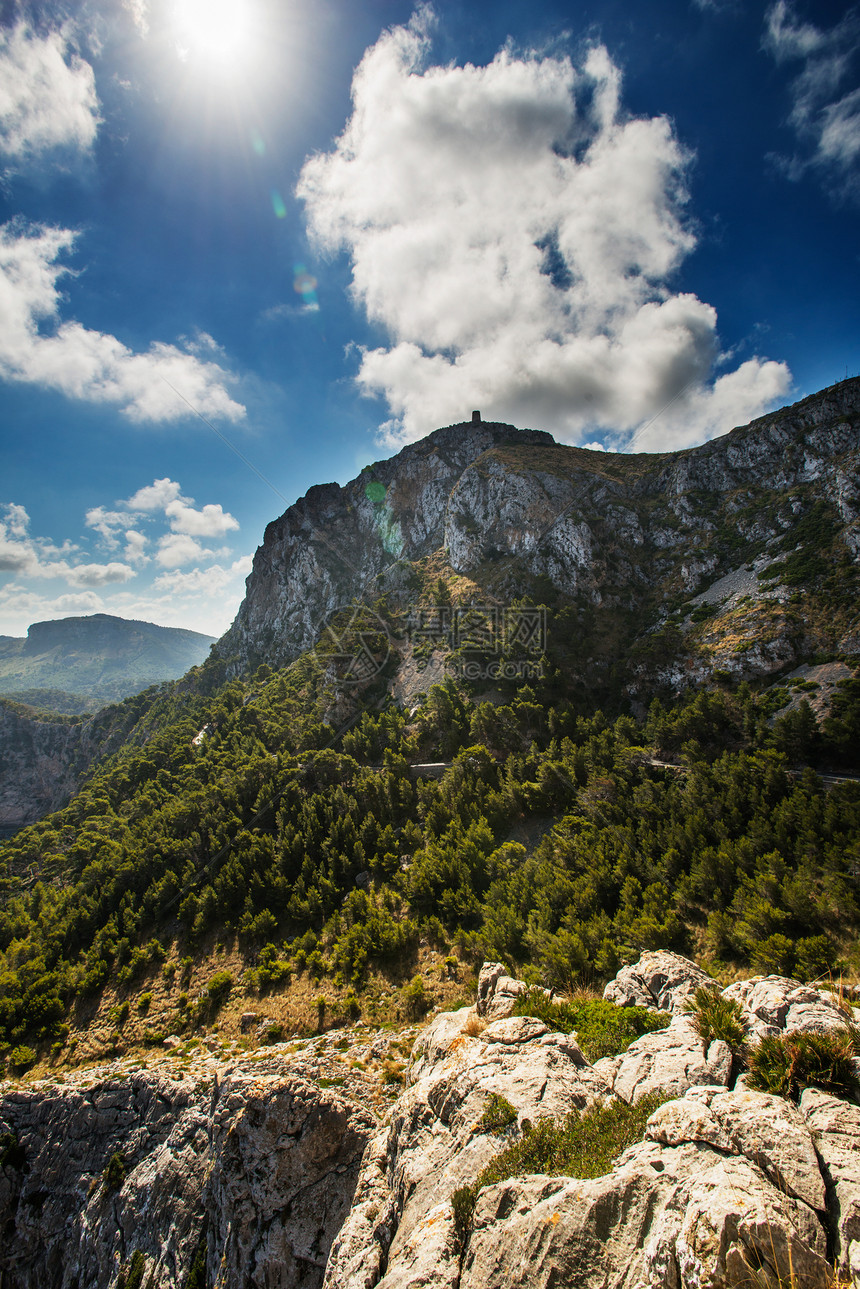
{"x":552,"y":840}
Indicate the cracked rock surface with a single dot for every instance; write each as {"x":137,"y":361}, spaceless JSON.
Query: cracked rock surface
{"x":257,"y":1166}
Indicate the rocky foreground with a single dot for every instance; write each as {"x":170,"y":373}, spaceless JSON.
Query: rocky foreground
{"x":267,"y":1178}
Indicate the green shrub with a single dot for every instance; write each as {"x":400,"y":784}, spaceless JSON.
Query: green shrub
{"x":132,"y":1277}
{"x":197,"y":1274}
{"x":218,"y":989}
{"x":115,"y":1172}
{"x":714,"y":1016}
{"x":498,"y":1114}
{"x":415,"y":1000}
{"x":580,"y":1145}
{"x":119,"y":1014}
{"x":463,"y":1206}
{"x":22,"y":1057}
{"x":785,"y":1064}
{"x":774,"y":956}
{"x":352,"y":1005}
{"x":143,"y":1003}
{"x":12,"y":1153}
{"x":602,"y":1029}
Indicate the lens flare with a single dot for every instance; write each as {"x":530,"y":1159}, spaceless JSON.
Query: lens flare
{"x":278,"y":204}
{"x":305,"y":285}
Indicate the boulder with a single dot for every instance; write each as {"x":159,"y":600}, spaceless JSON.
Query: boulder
{"x":775,"y":1004}
{"x":729,"y":1226}
{"x":835,"y":1126}
{"x":660,"y":980}
{"x":669,"y":1061}
{"x":436,"y":1041}
{"x":497,"y":991}
{"x":767,"y":1130}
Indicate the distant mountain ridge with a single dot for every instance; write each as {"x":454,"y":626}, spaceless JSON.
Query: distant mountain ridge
{"x":78,"y":664}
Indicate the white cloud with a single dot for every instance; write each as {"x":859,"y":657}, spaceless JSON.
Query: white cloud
{"x":37,"y":557}
{"x":98,"y":574}
{"x":36,"y":347}
{"x":825,"y":111}
{"x":17,"y":520}
{"x":184,"y":519}
{"x":135,"y":547}
{"x":139,"y":11}
{"x":199,"y":581}
{"x":514,"y":233}
{"x":47,"y":96}
{"x":106,"y":522}
{"x":179,"y":548}
{"x":211,"y":521}
{"x":155,"y":496}
{"x":20,"y":607}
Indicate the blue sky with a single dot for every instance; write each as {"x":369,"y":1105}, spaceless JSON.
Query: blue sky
{"x":251,"y":245}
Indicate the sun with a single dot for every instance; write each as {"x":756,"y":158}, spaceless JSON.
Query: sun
{"x":215,"y":31}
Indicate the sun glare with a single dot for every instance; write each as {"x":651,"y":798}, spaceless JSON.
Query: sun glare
{"x":215,"y":31}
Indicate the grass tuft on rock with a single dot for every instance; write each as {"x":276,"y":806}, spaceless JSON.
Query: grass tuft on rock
{"x":785,"y":1064}
{"x":498,"y":1114}
{"x":714,"y":1016}
{"x":602,"y":1029}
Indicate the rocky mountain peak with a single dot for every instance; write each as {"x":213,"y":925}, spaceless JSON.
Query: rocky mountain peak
{"x":504,"y":507}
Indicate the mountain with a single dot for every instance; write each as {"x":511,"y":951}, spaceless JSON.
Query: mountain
{"x":79,"y":664}
{"x":495,"y":701}
{"x":557,"y":715}
{"x":738,"y":557}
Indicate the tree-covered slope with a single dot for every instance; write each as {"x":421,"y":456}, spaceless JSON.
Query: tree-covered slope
{"x":243,"y":813}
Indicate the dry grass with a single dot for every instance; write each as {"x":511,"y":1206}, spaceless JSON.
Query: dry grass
{"x":96,"y":1033}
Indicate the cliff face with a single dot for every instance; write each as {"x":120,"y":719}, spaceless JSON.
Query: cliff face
{"x":43,"y":761}
{"x":501,"y":506}
{"x":250,"y":1169}
{"x":334,"y":544}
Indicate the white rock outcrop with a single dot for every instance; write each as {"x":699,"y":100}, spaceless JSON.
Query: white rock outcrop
{"x":660,"y":979}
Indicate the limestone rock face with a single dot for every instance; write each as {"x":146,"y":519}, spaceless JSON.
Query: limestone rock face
{"x":481,"y":493}
{"x":497,"y":991}
{"x":660,"y":979}
{"x":769,"y":1131}
{"x":835,"y":1126}
{"x":42,"y":761}
{"x":775,"y":1003}
{"x":434,"y":1144}
{"x":730,"y":1188}
{"x":668,"y":1218}
{"x":263,"y":1167}
{"x":670,"y":1061}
